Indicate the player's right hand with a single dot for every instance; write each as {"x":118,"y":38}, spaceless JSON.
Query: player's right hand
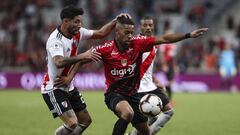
{"x":62,"y":81}
{"x":126,"y":15}
{"x":92,"y":55}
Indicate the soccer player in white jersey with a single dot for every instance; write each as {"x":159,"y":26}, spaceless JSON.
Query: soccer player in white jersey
{"x":64,"y":101}
{"x":150,"y":85}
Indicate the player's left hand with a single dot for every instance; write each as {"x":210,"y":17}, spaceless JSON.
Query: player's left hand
{"x":62,"y":81}
{"x":198,"y":32}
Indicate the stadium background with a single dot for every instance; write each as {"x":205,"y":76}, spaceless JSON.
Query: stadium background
{"x":210,"y":108}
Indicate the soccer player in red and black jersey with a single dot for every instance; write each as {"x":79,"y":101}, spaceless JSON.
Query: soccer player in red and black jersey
{"x":122,"y":58}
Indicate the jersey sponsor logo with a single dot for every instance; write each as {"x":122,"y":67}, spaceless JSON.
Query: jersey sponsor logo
{"x":121,"y":72}
{"x":124,"y":62}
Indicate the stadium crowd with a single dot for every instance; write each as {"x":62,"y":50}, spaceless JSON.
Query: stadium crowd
{"x":24,"y":31}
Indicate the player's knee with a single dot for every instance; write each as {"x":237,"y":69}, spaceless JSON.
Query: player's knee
{"x":127,"y":115}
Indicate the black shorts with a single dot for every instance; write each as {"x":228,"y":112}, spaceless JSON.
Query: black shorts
{"x":159,"y":93}
{"x":112,"y":99}
{"x":59,"y":101}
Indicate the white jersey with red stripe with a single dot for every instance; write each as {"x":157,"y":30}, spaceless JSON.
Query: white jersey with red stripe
{"x":147,"y":83}
{"x":58,"y":44}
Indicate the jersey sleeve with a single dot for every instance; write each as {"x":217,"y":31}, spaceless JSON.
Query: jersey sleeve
{"x":86,"y":33}
{"x":55,"y":47}
{"x":144,"y":44}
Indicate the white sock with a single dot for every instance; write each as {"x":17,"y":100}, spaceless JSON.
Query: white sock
{"x":79,"y":129}
{"x":161,"y":121}
{"x":63,"y":130}
{"x":151,"y":120}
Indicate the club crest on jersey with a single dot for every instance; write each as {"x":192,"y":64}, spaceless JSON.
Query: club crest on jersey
{"x":64,"y":104}
{"x":124,"y":62}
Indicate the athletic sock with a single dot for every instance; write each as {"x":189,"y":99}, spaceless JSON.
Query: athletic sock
{"x":120,"y":127}
{"x":161,"y":121}
{"x":79,"y":129}
{"x":63,"y":130}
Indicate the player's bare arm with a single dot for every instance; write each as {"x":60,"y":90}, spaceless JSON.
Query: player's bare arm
{"x":172,"y":38}
{"x":66,"y":80}
{"x":107,"y":28}
{"x":87,"y":56}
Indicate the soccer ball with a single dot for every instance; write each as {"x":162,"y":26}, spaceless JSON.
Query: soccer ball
{"x":150,"y":105}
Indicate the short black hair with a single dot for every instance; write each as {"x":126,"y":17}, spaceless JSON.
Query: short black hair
{"x":70,"y":12}
{"x":125,"y":20}
{"x":147,"y":18}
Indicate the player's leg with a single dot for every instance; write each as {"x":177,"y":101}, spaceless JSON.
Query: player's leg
{"x":122,"y":109}
{"x":139,"y":121}
{"x":80,"y":108}
{"x":70,"y":123}
{"x":142,"y":129}
{"x":165,"y":116}
{"x":170,"y":77}
{"x":162,"y":119}
{"x":59,"y":105}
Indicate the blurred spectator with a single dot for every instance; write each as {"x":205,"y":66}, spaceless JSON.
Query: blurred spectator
{"x":26,"y":24}
{"x":227,"y":66}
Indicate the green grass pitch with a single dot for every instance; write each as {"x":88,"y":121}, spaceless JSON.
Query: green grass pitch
{"x":25,"y":113}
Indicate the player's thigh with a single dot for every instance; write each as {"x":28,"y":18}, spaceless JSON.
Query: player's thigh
{"x":123,"y":108}
{"x":76,"y":99}
{"x":79,"y":106}
{"x":57,"y":102}
{"x":138,"y":116}
{"x":118,"y":104}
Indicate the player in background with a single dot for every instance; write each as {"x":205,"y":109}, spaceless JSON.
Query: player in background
{"x":168,"y":62}
{"x":122,"y":59}
{"x":149,"y":84}
{"x":65,"y":101}
{"x":227,"y":67}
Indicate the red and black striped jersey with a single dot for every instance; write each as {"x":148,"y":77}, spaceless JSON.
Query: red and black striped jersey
{"x":122,"y":68}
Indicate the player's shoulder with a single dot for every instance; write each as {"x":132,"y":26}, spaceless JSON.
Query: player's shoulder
{"x":83,"y":29}
{"x":54,"y":38}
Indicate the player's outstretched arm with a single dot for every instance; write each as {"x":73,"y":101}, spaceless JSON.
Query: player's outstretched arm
{"x":107,"y":28}
{"x":172,"y":38}
{"x":85,"y":57}
{"x":66,"y":80}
